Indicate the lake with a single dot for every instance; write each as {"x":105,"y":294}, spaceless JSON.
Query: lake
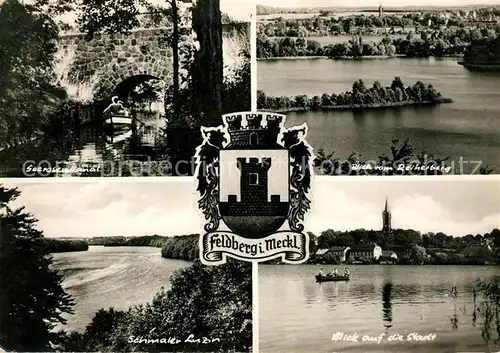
{"x":117,"y":277}
{"x":468,"y":128}
{"x":298,"y":315}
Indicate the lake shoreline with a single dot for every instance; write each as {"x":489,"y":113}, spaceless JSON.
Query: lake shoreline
{"x":342,"y":58}
{"x":363,"y":106}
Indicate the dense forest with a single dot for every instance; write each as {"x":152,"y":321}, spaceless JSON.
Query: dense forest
{"x":483,"y":51}
{"x":397,"y":94}
{"x":424,"y":45}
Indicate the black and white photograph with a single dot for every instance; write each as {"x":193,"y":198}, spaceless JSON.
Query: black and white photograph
{"x":114,"y":266}
{"x":383,"y":84}
{"x":402,"y":264}
{"x":106,"y":88}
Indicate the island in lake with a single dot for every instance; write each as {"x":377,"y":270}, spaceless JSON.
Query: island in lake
{"x":361,"y":97}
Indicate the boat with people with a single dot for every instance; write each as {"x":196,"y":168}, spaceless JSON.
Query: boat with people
{"x":119,"y":137}
{"x":119,"y":120}
{"x":332,"y":278}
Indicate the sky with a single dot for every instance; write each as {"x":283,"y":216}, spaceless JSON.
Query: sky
{"x":240,"y":10}
{"x":373,"y":3}
{"x":107,"y":207}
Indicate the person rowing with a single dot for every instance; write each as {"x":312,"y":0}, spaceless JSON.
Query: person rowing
{"x":114,"y":108}
{"x":346,"y":272}
{"x":123,"y":110}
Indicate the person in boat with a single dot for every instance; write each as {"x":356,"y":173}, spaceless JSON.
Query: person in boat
{"x":346,"y":272}
{"x":334,"y":272}
{"x":115,"y":108}
{"x":321,"y":272}
{"x":123,"y":111}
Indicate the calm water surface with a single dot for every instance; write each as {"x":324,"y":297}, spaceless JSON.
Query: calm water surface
{"x":118,"y":277}
{"x":298,"y":315}
{"x":469,"y":127}
{"x":115,"y":151}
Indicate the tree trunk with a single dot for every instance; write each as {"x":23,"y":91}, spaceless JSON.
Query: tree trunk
{"x":207,"y":86}
{"x":208,"y":69}
{"x":175,"y":55}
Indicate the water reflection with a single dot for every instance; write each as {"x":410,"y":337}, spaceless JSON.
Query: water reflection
{"x":116,"y":150}
{"x":387,"y":305}
{"x":403,"y":299}
{"x":310,"y":292}
{"x":329,"y":292}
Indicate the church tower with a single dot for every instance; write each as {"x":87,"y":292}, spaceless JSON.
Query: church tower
{"x":386,"y":219}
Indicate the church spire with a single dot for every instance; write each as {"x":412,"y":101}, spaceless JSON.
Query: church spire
{"x":386,"y":218}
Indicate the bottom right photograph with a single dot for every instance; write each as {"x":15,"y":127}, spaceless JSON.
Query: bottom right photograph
{"x":396,"y":265}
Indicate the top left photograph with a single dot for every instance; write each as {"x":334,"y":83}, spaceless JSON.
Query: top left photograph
{"x":92,"y":88}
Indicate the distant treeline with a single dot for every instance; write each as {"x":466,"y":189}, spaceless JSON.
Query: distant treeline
{"x":424,"y":45}
{"x":330,"y":10}
{"x":55,"y":245}
{"x":360,"y":97}
{"x":181,"y":247}
{"x":146,"y":240}
{"x":325,"y":24}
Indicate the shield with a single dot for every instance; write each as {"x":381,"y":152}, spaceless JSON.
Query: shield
{"x":254,"y":170}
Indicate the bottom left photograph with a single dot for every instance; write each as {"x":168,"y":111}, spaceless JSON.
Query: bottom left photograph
{"x":113,"y":265}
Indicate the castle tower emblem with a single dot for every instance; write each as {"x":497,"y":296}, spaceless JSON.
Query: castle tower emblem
{"x":253,"y":176}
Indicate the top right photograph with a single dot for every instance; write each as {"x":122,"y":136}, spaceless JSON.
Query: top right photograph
{"x":389,"y":88}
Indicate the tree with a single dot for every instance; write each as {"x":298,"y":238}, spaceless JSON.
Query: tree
{"x":415,"y":255}
{"x":32,"y":299}
{"x":28,"y":94}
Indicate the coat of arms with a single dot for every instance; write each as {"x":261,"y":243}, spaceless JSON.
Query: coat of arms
{"x":254,"y":176}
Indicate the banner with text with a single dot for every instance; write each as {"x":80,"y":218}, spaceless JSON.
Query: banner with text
{"x":292,"y":247}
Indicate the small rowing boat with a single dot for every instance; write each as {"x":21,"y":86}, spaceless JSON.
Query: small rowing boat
{"x":329,"y":278}
{"x":119,"y":120}
{"x":117,"y":138}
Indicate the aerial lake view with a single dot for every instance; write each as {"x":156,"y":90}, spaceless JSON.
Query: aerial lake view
{"x":117,"y":277}
{"x":467,"y":128}
{"x":299,"y":315}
